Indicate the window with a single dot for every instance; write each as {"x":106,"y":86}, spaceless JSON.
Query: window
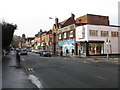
{"x":114,"y":34}
{"x":64,"y":34}
{"x":93,"y":33}
{"x":59,"y":36}
{"x":71,"y":33}
{"x":104,"y":33}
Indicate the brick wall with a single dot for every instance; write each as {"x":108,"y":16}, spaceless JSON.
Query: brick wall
{"x":93,"y":19}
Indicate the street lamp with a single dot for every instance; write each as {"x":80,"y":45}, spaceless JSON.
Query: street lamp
{"x":107,"y":43}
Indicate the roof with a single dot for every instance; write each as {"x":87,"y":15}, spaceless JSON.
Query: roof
{"x":63,"y":22}
{"x":91,"y":15}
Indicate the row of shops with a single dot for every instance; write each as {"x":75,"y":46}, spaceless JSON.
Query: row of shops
{"x":92,"y":45}
{"x":81,"y":48}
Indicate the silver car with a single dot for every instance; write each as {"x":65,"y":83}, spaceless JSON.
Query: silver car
{"x":45,"y":53}
{"x":23,"y":52}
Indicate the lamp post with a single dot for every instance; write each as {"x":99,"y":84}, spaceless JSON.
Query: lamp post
{"x":107,"y":43}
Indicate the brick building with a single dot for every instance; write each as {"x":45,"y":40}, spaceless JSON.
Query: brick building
{"x":93,"y":20}
{"x":66,"y":35}
{"x":46,"y":40}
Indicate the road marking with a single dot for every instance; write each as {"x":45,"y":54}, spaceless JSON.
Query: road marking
{"x":22,"y":59}
{"x":35,"y":81}
{"x":101,"y":77}
{"x":12,"y":52}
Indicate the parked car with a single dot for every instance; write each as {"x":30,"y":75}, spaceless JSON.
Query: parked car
{"x":45,"y":53}
{"x":23,"y":52}
{"x":37,"y":51}
{"x":29,"y":50}
{"x":34,"y":50}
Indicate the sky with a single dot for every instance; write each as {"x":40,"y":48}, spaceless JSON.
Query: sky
{"x":33,"y":15}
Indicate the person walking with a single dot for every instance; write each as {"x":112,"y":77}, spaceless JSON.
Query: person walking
{"x":67,"y":51}
{"x":18,"y":59}
{"x":72,"y":51}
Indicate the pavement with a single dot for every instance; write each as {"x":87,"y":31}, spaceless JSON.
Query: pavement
{"x":14,"y":77}
{"x":111,"y":60}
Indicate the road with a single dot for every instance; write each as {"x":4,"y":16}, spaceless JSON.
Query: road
{"x":57,"y":72}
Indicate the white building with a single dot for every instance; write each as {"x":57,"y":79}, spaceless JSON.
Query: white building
{"x":97,"y":39}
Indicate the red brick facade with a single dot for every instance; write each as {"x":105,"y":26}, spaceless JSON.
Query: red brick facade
{"x":93,"y":19}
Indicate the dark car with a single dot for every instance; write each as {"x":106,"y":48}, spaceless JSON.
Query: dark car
{"x":45,"y":53}
{"x":23,"y":52}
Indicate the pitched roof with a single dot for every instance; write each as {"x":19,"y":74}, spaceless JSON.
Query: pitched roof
{"x":63,"y":22}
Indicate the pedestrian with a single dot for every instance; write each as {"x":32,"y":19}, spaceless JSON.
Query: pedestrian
{"x":18,"y":59}
{"x":67,"y":51}
{"x":72,"y":51}
{"x":79,"y":52}
{"x":61,"y":53}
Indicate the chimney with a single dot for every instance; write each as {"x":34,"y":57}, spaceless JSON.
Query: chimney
{"x":72,"y":16}
{"x":56,"y":21}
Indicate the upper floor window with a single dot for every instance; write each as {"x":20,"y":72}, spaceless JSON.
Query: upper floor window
{"x":64,"y":34}
{"x":59,"y":36}
{"x":104,"y":33}
{"x":71,"y":33}
{"x":93,"y":33}
{"x":114,"y":34}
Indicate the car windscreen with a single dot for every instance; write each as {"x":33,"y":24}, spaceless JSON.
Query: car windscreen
{"x":23,"y":50}
{"x":45,"y":51}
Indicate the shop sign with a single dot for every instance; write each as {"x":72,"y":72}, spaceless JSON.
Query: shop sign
{"x":78,"y":43}
{"x":66,"y":42}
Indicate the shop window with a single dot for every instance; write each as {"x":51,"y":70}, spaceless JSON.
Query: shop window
{"x":93,"y":33}
{"x":114,"y":34}
{"x":95,"y":48}
{"x":104,"y":34}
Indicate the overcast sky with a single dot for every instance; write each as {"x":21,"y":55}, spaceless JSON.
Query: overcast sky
{"x":33,"y":15}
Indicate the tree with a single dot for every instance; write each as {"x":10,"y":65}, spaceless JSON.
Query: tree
{"x":7,"y":34}
{"x":15,"y":41}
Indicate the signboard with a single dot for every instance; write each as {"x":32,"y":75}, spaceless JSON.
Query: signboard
{"x":67,"y":42}
{"x":78,"y":43}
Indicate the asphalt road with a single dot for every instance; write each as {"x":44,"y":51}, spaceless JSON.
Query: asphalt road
{"x":56,"y":72}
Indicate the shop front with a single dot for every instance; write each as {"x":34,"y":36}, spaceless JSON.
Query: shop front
{"x":90,"y":48}
{"x":66,"y":46}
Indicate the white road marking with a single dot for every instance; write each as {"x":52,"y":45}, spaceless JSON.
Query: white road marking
{"x":101,"y":77}
{"x":12,"y":52}
{"x":22,"y":59}
{"x":35,"y":81}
